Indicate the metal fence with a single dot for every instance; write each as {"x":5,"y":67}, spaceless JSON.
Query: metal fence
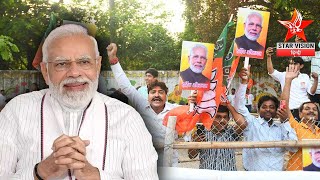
{"x":223,"y":148}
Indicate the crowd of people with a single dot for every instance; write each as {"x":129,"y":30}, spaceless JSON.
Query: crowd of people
{"x":71,"y":131}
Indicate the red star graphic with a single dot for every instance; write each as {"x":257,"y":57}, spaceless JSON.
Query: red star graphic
{"x":296,"y":25}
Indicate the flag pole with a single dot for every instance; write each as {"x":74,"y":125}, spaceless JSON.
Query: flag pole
{"x":231,"y":18}
{"x":191,"y":107}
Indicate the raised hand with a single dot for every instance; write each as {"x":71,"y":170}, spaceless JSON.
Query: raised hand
{"x":314,"y":75}
{"x":292,"y":71}
{"x":282,"y":114}
{"x":193,"y":97}
{"x":298,"y":39}
{"x":112,"y":53}
{"x":269,"y":51}
{"x":244,"y":75}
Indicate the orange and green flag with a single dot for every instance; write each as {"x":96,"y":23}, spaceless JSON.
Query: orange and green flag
{"x":38,"y":57}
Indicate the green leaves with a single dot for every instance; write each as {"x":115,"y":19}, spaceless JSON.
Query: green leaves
{"x":7,"y":48}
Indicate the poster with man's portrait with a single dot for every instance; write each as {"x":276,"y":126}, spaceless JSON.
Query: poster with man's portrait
{"x":196,"y":65}
{"x":251,"y":33}
{"x":311,"y":159}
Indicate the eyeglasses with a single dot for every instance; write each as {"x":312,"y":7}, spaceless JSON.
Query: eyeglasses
{"x":64,"y":65}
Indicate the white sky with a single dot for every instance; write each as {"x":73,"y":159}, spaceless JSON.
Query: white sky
{"x":175,"y":7}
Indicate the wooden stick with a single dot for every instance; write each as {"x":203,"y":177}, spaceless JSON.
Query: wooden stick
{"x":191,"y":106}
{"x":240,"y":145}
{"x":246,"y":62}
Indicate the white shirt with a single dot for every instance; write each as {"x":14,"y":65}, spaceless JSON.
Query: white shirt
{"x":231,"y":99}
{"x":143,"y":90}
{"x":249,"y":99}
{"x":300,"y":87}
{"x":129,"y":150}
{"x":153,"y":121}
{"x":315,"y":67}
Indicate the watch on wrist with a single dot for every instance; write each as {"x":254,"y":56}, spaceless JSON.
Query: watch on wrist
{"x":36,"y":172}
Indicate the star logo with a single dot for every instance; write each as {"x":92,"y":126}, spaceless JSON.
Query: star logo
{"x":296,"y":25}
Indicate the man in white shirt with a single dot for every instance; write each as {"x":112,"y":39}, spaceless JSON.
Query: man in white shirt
{"x":300,"y":87}
{"x":315,"y":67}
{"x":231,"y":96}
{"x":151,"y":76}
{"x":70,"y":131}
{"x":152,"y":110}
{"x":249,"y":100}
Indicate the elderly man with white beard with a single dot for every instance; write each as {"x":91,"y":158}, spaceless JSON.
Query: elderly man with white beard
{"x":252,"y":31}
{"x":70,"y":131}
{"x":197,"y":59}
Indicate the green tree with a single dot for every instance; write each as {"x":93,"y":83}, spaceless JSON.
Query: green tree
{"x":7,"y":48}
{"x":141,"y":43}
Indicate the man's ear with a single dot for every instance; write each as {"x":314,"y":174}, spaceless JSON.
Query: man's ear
{"x":301,"y":66}
{"x":300,"y":115}
{"x":99,"y":64}
{"x":44,"y":72}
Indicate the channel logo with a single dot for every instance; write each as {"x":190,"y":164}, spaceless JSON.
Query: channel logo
{"x":296,"y":49}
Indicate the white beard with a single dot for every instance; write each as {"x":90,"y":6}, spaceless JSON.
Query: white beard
{"x":252,"y":38}
{"x":74,"y":99}
{"x":315,"y":162}
{"x":195,"y":69}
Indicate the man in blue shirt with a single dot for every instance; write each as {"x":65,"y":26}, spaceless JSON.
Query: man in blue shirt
{"x":151,"y":76}
{"x":263,"y":128}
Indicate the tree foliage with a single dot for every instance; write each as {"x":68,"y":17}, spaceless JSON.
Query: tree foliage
{"x":7,"y":48}
{"x":138,"y":28}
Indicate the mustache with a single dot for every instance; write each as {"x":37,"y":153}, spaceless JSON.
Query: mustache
{"x":157,"y":99}
{"x":75,"y":80}
{"x":311,"y":114}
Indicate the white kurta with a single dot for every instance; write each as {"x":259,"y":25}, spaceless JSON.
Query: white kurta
{"x":129,"y":150}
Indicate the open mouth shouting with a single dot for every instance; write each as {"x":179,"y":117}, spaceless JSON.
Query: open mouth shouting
{"x":156,"y":99}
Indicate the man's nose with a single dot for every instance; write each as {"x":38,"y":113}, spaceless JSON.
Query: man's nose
{"x":74,"y":70}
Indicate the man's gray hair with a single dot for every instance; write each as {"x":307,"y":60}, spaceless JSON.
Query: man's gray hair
{"x":256,"y":14}
{"x":198,"y":46}
{"x":66,"y":31}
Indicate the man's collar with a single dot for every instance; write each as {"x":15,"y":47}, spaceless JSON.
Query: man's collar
{"x":167,"y":107}
{"x":263,"y":121}
{"x":305,"y":126}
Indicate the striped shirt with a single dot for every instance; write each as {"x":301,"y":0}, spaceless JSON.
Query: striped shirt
{"x":219,"y":159}
{"x":129,"y":150}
